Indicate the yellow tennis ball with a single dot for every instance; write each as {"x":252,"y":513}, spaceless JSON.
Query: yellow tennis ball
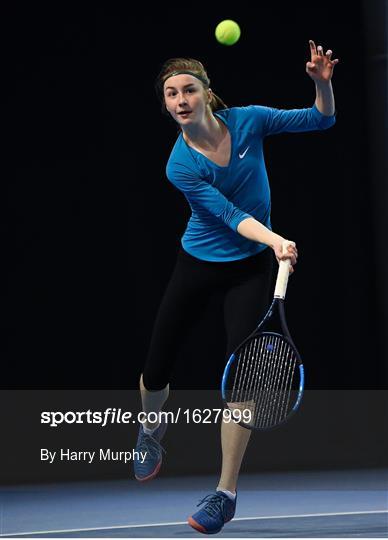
{"x":228,"y":32}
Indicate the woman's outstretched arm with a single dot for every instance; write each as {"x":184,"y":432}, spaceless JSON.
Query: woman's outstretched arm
{"x":320,"y":69}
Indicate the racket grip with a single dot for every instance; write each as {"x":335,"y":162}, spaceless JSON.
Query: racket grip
{"x":283,"y":273}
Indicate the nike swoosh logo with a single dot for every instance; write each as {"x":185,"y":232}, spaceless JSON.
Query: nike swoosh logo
{"x":243,"y":154}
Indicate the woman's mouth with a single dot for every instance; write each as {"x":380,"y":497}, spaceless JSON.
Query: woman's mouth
{"x":184,"y":114}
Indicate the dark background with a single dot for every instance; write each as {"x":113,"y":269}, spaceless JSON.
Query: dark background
{"x":93,"y":225}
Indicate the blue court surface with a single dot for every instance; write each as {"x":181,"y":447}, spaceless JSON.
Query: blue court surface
{"x":330,"y":504}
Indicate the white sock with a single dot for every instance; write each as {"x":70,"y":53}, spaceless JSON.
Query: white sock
{"x":229,"y":494}
{"x":149,"y":431}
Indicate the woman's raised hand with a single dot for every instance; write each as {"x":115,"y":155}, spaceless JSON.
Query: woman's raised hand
{"x":320,"y":67}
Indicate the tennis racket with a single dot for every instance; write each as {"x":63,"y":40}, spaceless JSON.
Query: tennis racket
{"x":263,"y":381}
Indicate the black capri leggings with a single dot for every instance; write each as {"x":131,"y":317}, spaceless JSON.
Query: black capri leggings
{"x":245,"y":286}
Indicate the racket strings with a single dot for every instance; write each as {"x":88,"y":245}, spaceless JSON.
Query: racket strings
{"x":263,"y":380}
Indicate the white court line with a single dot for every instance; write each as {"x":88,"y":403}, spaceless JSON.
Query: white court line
{"x":115,"y":527}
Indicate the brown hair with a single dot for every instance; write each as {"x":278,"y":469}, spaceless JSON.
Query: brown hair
{"x":174,"y":66}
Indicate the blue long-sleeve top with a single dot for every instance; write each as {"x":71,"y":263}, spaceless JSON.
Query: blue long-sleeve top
{"x":221,"y":197}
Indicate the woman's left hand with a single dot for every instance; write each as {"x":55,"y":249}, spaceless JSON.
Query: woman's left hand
{"x":320,"y":68}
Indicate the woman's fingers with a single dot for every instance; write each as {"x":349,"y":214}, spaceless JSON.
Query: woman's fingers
{"x":293,"y":251}
{"x":291,"y":256}
{"x":313,"y":48}
{"x":328,"y":56}
{"x":318,"y":51}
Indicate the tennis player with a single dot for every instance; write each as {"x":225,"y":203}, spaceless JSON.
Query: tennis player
{"x":228,"y":246}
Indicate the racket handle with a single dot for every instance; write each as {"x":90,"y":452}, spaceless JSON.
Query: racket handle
{"x":283,"y":273}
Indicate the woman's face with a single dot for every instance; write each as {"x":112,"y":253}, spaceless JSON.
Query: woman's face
{"x":186,"y":99}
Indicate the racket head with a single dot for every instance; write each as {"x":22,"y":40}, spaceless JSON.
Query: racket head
{"x":263,"y":381}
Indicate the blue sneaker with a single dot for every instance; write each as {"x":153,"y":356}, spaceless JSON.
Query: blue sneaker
{"x":151,"y":448}
{"x":218,"y":510}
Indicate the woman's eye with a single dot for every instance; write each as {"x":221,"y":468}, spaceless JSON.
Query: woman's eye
{"x":173,"y":94}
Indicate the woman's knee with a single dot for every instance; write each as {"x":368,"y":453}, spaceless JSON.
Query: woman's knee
{"x":154,"y":381}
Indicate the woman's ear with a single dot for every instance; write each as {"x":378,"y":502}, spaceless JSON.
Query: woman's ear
{"x":210,"y":94}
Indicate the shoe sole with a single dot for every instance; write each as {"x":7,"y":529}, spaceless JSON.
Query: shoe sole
{"x":200,"y":528}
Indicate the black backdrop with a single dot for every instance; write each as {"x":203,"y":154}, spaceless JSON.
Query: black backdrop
{"x":93,"y":225}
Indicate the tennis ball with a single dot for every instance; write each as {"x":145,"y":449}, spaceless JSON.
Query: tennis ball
{"x":228,"y":32}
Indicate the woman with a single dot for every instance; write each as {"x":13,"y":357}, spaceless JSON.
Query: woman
{"x":217,"y":162}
